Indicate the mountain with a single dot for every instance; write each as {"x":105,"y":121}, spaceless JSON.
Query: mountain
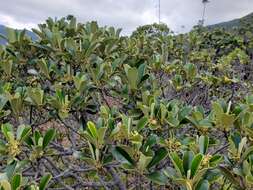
{"x":233,"y":23}
{"x":3,"y":32}
{"x":226,"y":25}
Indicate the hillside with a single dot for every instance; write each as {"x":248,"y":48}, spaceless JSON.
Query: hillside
{"x":3,"y":31}
{"x":233,"y":23}
{"x":227,"y":25}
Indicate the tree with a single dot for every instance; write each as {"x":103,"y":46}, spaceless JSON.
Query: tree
{"x":152,"y":30}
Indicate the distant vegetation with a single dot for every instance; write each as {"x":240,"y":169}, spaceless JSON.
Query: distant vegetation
{"x":82,"y":107}
{"x":236,"y":23}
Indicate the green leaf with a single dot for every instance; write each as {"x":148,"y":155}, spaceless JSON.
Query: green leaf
{"x":203,"y":144}
{"x":185,"y":183}
{"x":226,"y":120}
{"x":16,"y":102}
{"x":186,"y":110}
{"x":228,"y":174}
{"x":44,"y":67}
{"x":101,"y":135}
{"x":143,"y":161}
{"x":7,"y":67}
{"x":143,"y":79}
{"x":177,"y":82}
{"x":217,"y":109}
{"x":187,"y":160}
{"x":29,"y":141}
{"x":36,"y":95}
{"x":23,"y":131}
{"x":37,"y":137}
{"x":5,"y":185}
{"x":10,"y":169}
{"x":247,"y":153}
{"x":141,"y":71}
{"x":3,"y":101}
{"x":132,"y":76}
{"x":44,"y":181}
{"x":160,"y":154}
{"x":191,"y":70}
{"x":7,"y":129}
{"x":158,"y":177}
{"x":16,"y":181}
{"x":246,"y":168}
{"x":212,"y":175}
{"x":215,"y":160}
{"x":172,"y":120}
{"x":92,"y":129}
{"x":49,"y":136}
{"x":122,"y":156}
{"x":196,"y":162}
{"x":142,"y":123}
{"x":236,"y":139}
{"x":149,"y":142}
{"x":178,"y":163}
{"x":241,"y":145}
{"x":203,"y":185}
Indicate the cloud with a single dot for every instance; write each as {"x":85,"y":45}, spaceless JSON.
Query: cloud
{"x":126,"y":14}
{"x":10,"y":21}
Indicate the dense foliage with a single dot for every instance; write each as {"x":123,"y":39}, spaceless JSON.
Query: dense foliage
{"x":83,"y":107}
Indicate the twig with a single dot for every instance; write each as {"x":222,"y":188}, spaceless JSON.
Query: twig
{"x":69,"y":127}
{"x":116,"y":179}
{"x":220,"y":149}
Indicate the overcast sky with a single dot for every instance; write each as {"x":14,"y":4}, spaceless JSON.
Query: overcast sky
{"x":126,"y":14}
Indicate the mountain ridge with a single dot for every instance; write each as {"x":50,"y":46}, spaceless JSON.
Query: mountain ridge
{"x":232,"y":23}
{"x":227,"y":25}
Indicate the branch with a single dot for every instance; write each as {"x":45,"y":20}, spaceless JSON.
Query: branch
{"x":221,"y":149}
{"x":116,"y":179}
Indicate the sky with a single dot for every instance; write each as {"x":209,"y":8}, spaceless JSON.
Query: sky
{"x":179,"y":15}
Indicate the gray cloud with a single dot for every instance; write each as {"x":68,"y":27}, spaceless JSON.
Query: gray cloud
{"x":126,"y":14}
